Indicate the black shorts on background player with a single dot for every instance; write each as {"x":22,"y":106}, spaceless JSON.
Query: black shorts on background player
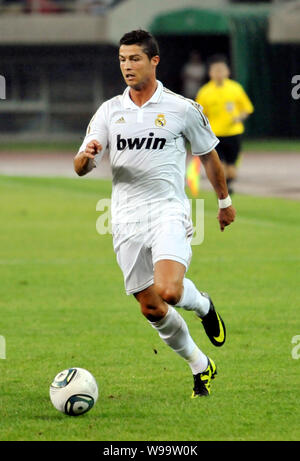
{"x":229,"y":148}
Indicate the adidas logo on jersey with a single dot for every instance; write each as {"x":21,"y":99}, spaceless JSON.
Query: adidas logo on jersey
{"x":139,"y":143}
{"x":121,"y":120}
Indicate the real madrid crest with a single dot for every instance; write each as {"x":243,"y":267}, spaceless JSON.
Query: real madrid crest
{"x":160,"y":120}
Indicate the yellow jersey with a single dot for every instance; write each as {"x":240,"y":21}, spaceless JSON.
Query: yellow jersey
{"x":222,"y":104}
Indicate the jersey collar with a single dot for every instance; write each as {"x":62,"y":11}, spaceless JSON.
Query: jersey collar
{"x":155,"y":98}
{"x":225,"y":82}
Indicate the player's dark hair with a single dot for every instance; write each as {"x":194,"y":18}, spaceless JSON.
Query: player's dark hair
{"x":216,"y":59}
{"x":142,"y":38}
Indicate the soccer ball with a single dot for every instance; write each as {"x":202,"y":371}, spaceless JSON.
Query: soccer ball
{"x":74,"y":391}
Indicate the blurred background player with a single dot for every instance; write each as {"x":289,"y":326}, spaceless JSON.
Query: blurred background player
{"x":227,"y":106}
{"x":193,"y":74}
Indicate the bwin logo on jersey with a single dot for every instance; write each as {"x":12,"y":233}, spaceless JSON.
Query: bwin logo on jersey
{"x":139,"y":143}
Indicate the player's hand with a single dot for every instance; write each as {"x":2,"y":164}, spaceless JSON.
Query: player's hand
{"x":226,"y":216}
{"x":236,"y":120}
{"x":92,"y":148}
{"x":82,"y":163}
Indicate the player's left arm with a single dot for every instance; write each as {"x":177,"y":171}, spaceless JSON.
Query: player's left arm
{"x":215,"y":173}
{"x":203,"y":142}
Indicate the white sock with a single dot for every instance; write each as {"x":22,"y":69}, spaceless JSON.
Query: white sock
{"x":174,"y":331}
{"x":193,"y":300}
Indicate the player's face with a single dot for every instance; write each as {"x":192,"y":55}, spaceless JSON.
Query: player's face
{"x":136,"y":67}
{"x":219,"y":71}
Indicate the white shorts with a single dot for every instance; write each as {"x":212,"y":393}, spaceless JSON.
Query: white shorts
{"x":139,"y":248}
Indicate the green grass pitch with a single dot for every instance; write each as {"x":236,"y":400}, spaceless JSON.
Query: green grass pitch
{"x":63,"y":304}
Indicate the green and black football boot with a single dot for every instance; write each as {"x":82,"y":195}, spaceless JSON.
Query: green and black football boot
{"x":202,"y":380}
{"x":213,"y":324}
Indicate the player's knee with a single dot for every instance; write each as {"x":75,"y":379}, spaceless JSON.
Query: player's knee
{"x":169,"y":292}
{"x":152,"y":312}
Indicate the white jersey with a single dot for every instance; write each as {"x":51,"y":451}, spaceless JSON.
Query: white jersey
{"x":147,"y":150}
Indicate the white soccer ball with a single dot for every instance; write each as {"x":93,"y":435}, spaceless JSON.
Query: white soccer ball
{"x":74,"y":391}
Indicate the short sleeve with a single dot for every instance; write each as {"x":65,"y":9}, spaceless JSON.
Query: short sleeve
{"x":197,"y":130}
{"x":97,"y":129}
{"x":244,"y":103}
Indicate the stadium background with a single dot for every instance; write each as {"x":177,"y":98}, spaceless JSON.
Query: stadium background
{"x":59,"y":63}
{"x":59,"y":66}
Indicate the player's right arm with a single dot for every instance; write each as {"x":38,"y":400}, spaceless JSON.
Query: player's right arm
{"x":84,"y":161}
{"x":94,"y":144}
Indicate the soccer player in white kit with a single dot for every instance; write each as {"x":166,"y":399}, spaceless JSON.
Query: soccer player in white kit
{"x":145,"y":130}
